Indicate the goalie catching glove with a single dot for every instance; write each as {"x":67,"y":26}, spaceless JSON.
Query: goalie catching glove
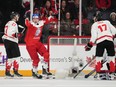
{"x":88,"y":46}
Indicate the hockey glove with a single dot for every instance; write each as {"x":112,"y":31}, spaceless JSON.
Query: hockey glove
{"x":19,"y":35}
{"x":88,"y":46}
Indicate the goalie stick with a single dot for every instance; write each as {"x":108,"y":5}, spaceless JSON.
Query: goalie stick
{"x":84,"y":67}
{"x":90,"y":73}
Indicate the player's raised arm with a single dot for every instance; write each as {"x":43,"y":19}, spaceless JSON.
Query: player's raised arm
{"x":27,"y":22}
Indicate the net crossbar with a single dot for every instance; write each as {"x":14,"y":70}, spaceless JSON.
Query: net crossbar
{"x":67,"y":40}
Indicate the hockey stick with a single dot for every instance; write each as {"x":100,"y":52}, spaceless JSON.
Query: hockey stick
{"x":22,"y":28}
{"x":84,"y":67}
{"x":90,"y":73}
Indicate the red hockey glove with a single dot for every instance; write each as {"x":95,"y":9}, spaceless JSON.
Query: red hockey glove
{"x":19,"y":35}
{"x":88,"y":46}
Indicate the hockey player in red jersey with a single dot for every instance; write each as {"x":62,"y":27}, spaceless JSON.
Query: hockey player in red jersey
{"x":10,"y":39}
{"x":102,"y":33}
{"x":34,"y":46}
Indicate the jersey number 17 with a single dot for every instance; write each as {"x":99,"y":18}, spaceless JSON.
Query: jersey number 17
{"x":102,"y":27}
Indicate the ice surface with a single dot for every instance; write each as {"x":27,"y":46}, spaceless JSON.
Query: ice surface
{"x":32,"y":82}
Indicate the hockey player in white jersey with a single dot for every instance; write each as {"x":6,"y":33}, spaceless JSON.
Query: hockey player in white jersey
{"x":10,"y":39}
{"x":102,"y":33}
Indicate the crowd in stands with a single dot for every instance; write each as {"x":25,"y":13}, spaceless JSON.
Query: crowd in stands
{"x":69,"y":14}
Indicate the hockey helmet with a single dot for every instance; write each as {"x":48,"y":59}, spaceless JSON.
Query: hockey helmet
{"x":35,"y":16}
{"x":13,"y":14}
{"x":98,"y":15}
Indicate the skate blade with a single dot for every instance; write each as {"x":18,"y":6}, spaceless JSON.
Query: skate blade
{"x":8,"y":77}
{"x":14,"y":77}
{"x":18,"y":77}
{"x":48,"y":76}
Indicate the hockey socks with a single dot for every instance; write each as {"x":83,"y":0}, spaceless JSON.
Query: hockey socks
{"x":8,"y":64}
{"x":98,"y":66}
{"x":112,"y":67}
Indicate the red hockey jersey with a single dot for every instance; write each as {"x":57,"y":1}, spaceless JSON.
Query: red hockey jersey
{"x":34,"y":32}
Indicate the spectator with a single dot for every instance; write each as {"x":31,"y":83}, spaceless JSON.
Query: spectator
{"x":103,"y":4}
{"x":39,"y":3}
{"x":45,"y":10}
{"x":49,"y":28}
{"x":85,"y":26}
{"x":113,"y":18}
{"x":36,"y":11}
{"x":67,"y":27}
{"x":75,"y":9}
{"x":26,"y":4}
{"x":91,"y":9}
{"x":53,"y":24}
{"x":84,"y":20}
{"x":64,"y":9}
{"x":54,"y":3}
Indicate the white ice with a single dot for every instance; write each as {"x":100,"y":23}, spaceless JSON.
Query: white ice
{"x":31,"y":82}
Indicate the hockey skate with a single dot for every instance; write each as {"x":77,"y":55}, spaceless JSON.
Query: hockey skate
{"x":16,"y":73}
{"x":46,"y":74}
{"x":8,"y":74}
{"x":104,"y":76}
{"x":36,"y":75}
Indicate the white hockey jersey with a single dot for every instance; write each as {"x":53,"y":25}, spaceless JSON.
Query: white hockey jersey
{"x":102,"y":30}
{"x":10,"y":31}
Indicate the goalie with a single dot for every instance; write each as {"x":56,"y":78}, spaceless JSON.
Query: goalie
{"x":103,"y":32}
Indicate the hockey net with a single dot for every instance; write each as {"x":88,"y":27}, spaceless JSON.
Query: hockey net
{"x":63,"y":49}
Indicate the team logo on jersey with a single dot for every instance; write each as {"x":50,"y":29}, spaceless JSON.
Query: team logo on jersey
{"x":37,"y":32}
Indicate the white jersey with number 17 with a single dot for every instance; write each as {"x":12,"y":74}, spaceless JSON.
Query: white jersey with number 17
{"x":102,"y":30}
